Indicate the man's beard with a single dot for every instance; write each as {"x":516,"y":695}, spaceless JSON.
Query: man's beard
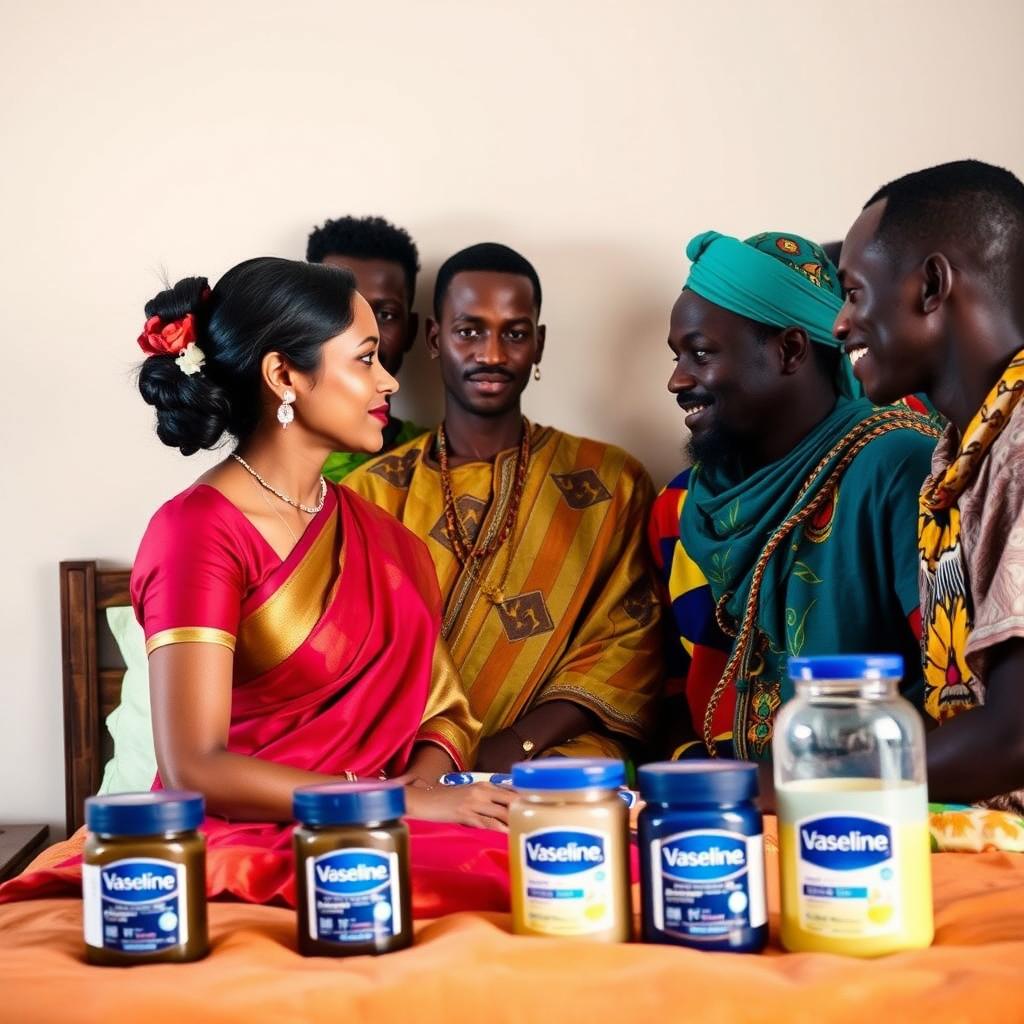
{"x":718,"y":448}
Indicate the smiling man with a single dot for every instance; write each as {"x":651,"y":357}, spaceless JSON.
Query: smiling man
{"x":933,"y":269}
{"x":794,"y":530}
{"x":537,"y":536}
{"x":385,"y":262}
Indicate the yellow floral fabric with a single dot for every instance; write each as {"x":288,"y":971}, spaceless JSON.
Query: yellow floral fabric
{"x":948,"y":607}
{"x":960,"y":829}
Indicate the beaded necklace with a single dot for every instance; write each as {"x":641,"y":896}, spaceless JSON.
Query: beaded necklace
{"x":472,"y":554}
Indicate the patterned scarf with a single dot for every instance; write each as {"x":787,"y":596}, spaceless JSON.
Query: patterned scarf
{"x":950,"y":686}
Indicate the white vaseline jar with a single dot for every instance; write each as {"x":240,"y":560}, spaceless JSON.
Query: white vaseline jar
{"x":569,"y":849}
{"x":850,"y":786}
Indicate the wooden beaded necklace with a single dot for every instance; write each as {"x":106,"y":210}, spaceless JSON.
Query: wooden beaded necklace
{"x":472,"y":554}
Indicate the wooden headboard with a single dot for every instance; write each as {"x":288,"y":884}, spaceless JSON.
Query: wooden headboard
{"x":93,"y":672}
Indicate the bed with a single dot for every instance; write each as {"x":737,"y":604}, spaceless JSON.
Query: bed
{"x":469,"y":966}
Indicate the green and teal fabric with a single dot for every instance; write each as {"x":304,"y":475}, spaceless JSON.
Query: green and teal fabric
{"x":778,"y":279}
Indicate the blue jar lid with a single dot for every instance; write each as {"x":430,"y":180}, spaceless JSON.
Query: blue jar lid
{"x":348,"y":803}
{"x":698,"y":782}
{"x":847,"y":666}
{"x":568,"y":773}
{"x":144,"y":814}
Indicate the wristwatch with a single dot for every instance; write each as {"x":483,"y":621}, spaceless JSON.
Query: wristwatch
{"x":528,"y":745}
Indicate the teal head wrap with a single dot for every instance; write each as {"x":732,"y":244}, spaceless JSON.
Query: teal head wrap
{"x":776,"y":279}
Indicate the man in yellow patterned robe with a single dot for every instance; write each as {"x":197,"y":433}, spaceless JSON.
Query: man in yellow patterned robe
{"x":537,"y":535}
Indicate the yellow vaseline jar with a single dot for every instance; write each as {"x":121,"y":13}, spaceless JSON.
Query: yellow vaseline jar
{"x":569,"y":849}
{"x":852,"y":798}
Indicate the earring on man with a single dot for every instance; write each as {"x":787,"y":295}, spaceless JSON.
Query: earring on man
{"x":536,"y":371}
{"x":285,"y":412}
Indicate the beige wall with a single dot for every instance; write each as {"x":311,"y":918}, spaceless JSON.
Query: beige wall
{"x":595,"y":136}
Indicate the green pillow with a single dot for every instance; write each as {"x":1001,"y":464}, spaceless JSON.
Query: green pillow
{"x":133,"y":767}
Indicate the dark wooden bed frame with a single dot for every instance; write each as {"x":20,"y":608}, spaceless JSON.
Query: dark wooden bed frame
{"x":93,"y":672}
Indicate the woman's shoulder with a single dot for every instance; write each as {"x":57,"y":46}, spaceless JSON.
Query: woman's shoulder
{"x":197,"y":520}
{"x":195,"y":563}
{"x":198,"y":507}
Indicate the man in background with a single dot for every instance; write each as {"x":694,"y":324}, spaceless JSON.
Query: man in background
{"x":385,"y":262}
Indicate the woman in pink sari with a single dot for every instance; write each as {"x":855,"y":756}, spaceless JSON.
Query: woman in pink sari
{"x":293,"y":629}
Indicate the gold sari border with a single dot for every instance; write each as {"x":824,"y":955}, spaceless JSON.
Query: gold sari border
{"x":190,"y":635}
{"x":283,"y":623}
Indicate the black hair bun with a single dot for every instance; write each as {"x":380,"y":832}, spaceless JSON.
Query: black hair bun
{"x":192,"y":411}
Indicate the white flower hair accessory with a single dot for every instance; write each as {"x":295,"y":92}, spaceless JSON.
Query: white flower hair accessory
{"x":191,"y":359}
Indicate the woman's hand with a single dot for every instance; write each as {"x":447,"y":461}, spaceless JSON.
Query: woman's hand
{"x":428,"y":763}
{"x":481,"y":804}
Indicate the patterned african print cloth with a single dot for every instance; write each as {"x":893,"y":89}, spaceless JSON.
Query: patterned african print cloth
{"x":577,"y":616}
{"x":958,"y":828}
{"x":843,"y":579}
{"x":971,"y":538}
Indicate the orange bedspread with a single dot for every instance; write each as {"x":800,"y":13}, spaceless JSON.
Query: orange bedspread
{"x":467,"y":967}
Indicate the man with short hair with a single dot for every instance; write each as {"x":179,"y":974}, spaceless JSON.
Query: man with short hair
{"x":537,"y":536}
{"x":793,"y":531}
{"x":385,"y":262}
{"x":933,"y":270}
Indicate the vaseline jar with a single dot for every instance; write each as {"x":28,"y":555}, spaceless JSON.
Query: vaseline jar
{"x":352,"y":869}
{"x":702,"y":856}
{"x":569,"y":849}
{"x":850,"y":786}
{"x":144,"y":879}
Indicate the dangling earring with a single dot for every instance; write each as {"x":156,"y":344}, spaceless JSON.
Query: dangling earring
{"x":285,"y":412}
{"x":536,"y":372}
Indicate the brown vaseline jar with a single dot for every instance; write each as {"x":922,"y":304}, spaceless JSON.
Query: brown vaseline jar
{"x":144,"y":879}
{"x":352,"y":869}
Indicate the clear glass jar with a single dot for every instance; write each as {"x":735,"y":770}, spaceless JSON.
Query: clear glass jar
{"x":852,"y":800}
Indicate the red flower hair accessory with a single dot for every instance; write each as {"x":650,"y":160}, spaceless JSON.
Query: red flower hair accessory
{"x":177,"y":338}
{"x":160,"y":339}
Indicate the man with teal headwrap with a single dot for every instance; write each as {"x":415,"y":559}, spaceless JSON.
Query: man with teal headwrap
{"x":794,"y":532}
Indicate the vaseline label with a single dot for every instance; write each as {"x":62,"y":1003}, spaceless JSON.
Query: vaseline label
{"x":567,"y":881}
{"x":847,"y":878}
{"x":135,"y":905}
{"x":708,"y":883}
{"x":353,"y":895}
